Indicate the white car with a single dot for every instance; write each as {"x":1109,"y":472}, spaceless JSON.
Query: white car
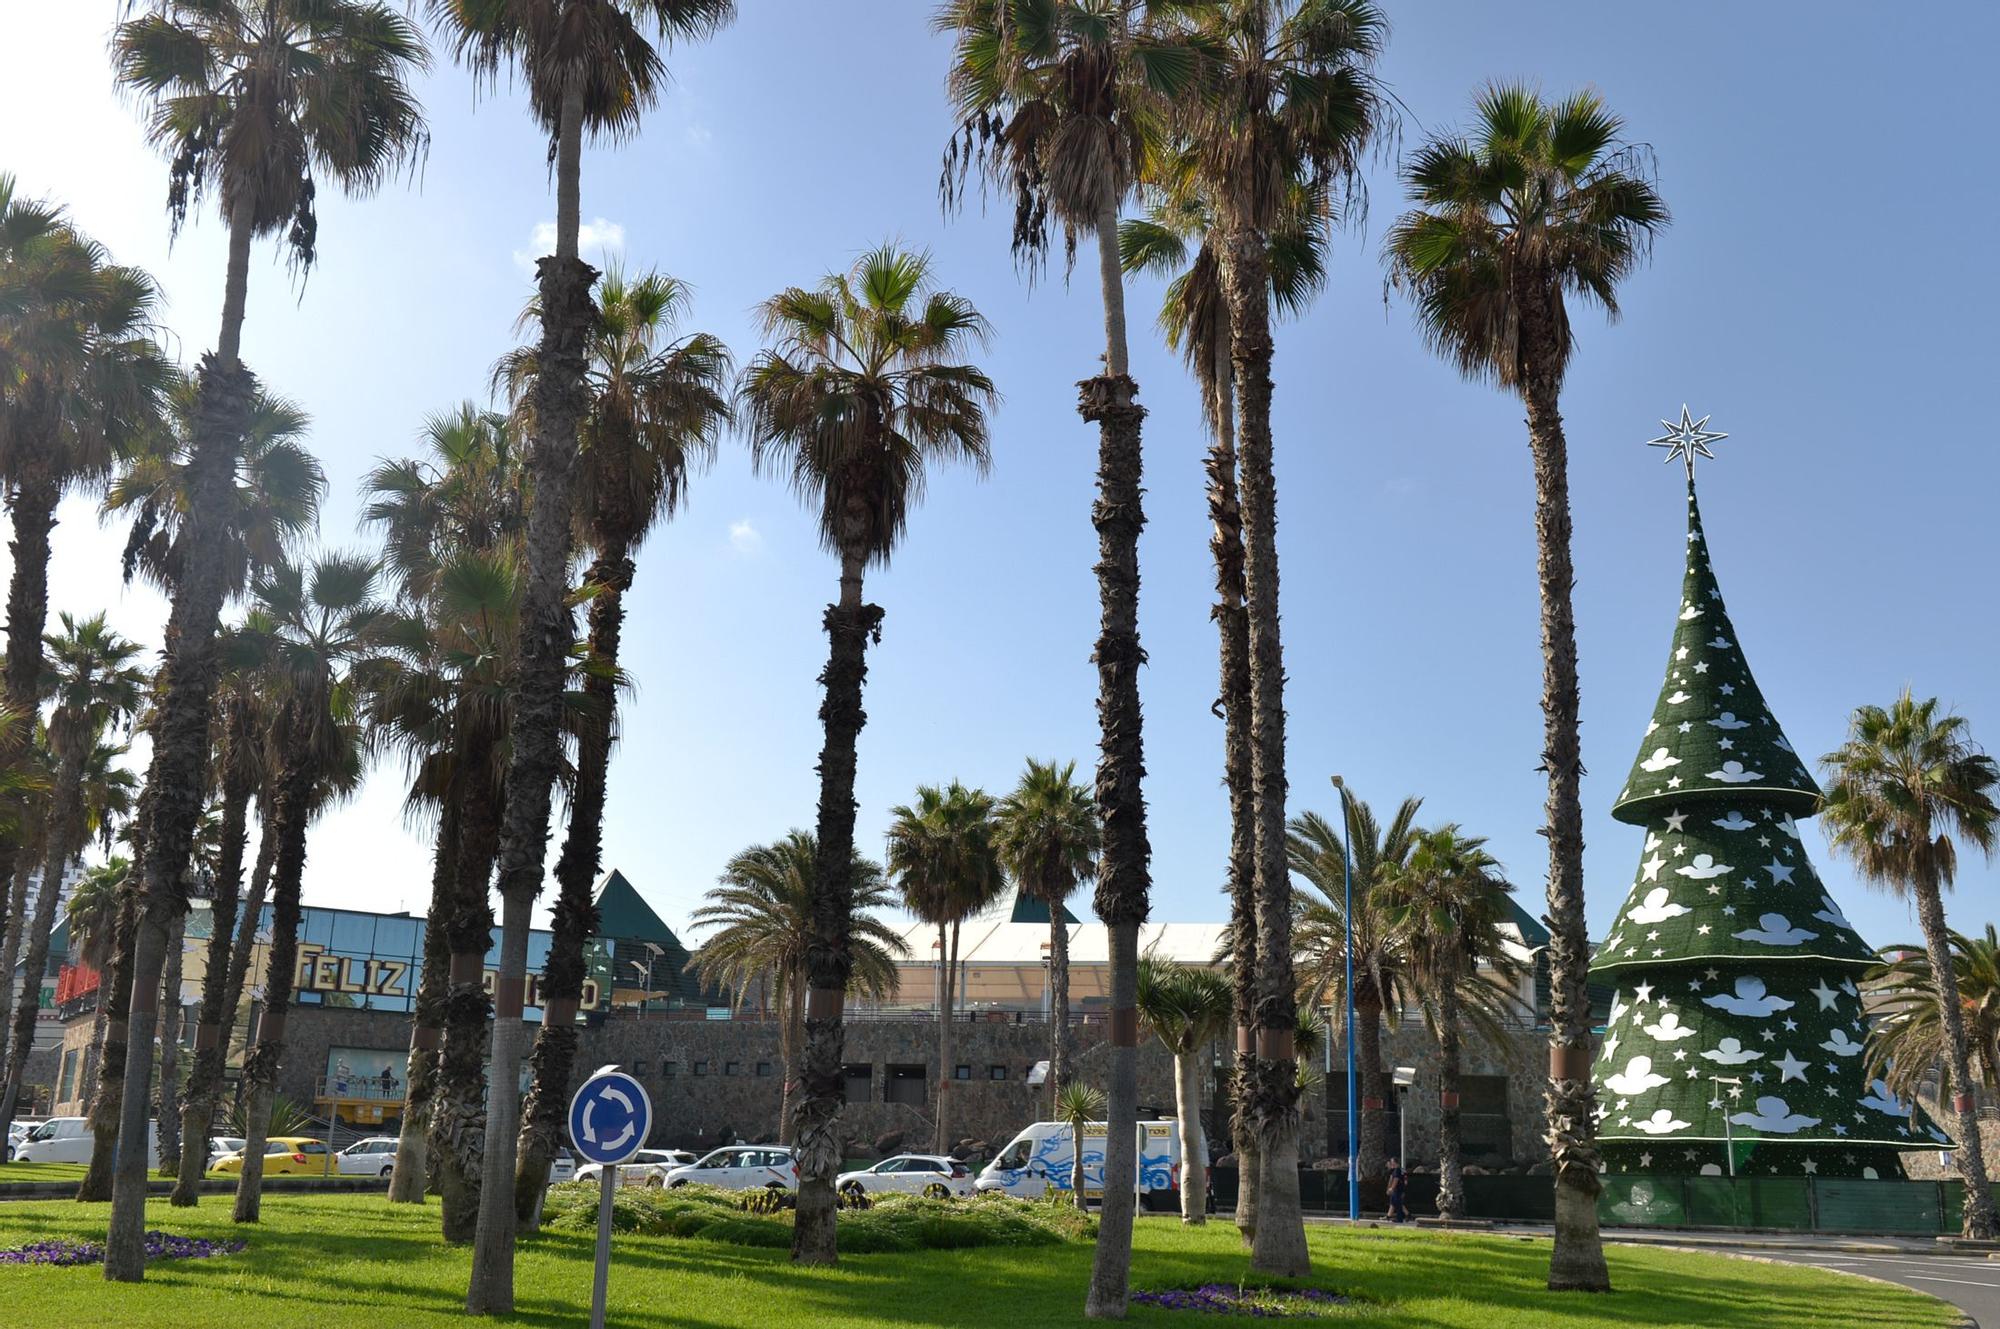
{"x":742,"y":1167}
{"x":220,"y":1146}
{"x":374,"y":1156}
{"x":911,"y":1174}
{"x":563,"y":1166}
{"x":648,"y":1167}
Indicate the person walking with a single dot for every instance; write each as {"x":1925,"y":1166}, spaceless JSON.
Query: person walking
{"x":1398,"y":1184}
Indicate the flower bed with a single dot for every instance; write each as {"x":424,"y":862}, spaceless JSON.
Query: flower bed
{"x":1260,"y":1302}
{"x":159,"y":1246}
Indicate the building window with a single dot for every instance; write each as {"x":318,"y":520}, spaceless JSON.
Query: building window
{"x":763,"y":1070}
{"x":996,"y":1072}
{"x":905,"y":1084}
{"x":670,"y":1068}
{"x":732,"y":1067}
{"x":66,"y":1080}
{"x":962,"y":1073}
{"x":701,"y":1068}
{"x":858,"y":1081}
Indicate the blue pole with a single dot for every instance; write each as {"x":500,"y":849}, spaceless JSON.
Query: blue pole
{"x":1353,"y":1104}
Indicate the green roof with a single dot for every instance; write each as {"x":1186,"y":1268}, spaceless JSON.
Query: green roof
{"x":623,"y":915}
{"x":1033,"y":909}
{"x":1533,"y":935}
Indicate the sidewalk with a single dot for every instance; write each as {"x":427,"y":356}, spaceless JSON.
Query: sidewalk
{"x":1730,"y":1239}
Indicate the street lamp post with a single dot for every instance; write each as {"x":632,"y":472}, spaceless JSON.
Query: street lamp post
{"x":1353,"y":1104}
{"x":1728,"y":1136}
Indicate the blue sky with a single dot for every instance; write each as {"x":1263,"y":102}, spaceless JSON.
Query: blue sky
{"x":1825,"y":292}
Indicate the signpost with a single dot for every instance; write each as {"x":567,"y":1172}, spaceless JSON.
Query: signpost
{"x":608,"y":1122}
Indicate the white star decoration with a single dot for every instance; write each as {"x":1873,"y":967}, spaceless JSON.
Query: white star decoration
{"x":1687,"y":440}
{"x":1791,"y":1067}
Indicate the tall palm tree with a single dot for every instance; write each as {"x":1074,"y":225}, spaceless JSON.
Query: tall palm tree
{"x":452,"y":523}
{"x":588,"y":66}
{"x":1287,"y":101}
{"x":98,"y":688}
{"x":92,"y":917}
{"x":1058,"y":100}
{"x":241,"y":722}
{"x":763,"y":908}
{"x":1540,"y":205}
{"x":1194,"y":317}
{"x":860,"y":392}
{"x":323,"y":619}
{"x":943,"y":855}
{"x":656,"y":405}
{"x":1907,"y":1043}
{"x":1186,"y":1007}
{"x":1382,"y":975}
{"x":1445,"y":906}
{"x":254,"y":103}
{"x":1048,"y":836}
{"x":1906,"y":786}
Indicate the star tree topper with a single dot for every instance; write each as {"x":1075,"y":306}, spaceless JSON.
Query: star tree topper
{"x":1687,"y":440}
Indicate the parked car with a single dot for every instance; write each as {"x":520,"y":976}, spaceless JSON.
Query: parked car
{"x":374,"y":1156}
{"x":294,"y":1155}
{"x":68,"y":1140}
{"x":911,"y":1174}
{"x":741,"y":1167}
{"x":563,"y":1166}
{"x":1039,"y":1160}
{"x":221,"y":1146}
{"x":648,"y":1167}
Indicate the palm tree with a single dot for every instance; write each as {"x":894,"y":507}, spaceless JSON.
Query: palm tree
{"x":1048,"y":837}
{"x":254,"y":103}
{"x":762,"y":910}
{"x":1195,"y":320}
{"x":97,"y":689}
{"x":241,"y":722}
{"x":1908,"y":783}
{"x":943,"y":856}
{"x":588,"y":65}
{"x":1077,"y":1106}
{"x":452,"y":524}
{"x":1186,"y":1007}
{"x":860,"y":392}
{"x":1542,"y":204}
{"x":1287,"y":102}
{"x":1907,"y":1043}
{"x":1059,"y":100}
{"x":1445,"y":906}
{"x":92,"y":918}
{"x":323,"y":619}
{"x":656,"y":406}
{"x":1382,"y":975}
{"x":115,"y":938}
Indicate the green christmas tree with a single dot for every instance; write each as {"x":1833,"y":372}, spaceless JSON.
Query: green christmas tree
{"x":1730,"y":959}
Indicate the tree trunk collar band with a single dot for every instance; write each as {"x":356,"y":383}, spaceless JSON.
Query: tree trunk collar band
{"x":1125,"y":1027}
{"x":271,"y":1029}
{"x":115,"y":1031}
{"x":1448,"y":1101}
{"x":1569,"y":1063}
{"x":1246,"y":1041}
{"x":467,"y":967}
{"x":559,"y":1011}
{"x":507,"y":993}
{"x":207,"y":1036}
{"x":426,"y":1039}
{"x":1276,"y":1044}
{"x":825,"y":1003}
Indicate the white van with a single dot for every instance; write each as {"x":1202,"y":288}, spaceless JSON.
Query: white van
{"x":68,"y":1140}
{"x":1041,"y":1158}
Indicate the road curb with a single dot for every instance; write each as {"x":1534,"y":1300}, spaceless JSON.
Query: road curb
{"x":1964,"y":1321}
{"x":64,"y":1190}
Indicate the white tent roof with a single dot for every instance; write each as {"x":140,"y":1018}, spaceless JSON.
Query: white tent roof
{"x":991,"y":939}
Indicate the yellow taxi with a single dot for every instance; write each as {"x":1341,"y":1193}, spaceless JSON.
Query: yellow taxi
{"x":292,"y":1155}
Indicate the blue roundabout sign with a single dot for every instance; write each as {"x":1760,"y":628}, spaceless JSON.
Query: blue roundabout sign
{"x":609,"y":1118}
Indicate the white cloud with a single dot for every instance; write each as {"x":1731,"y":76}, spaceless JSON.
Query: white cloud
{"x":597,"y":238}
{"x":699,"y":135}
{"x":745,"y":538}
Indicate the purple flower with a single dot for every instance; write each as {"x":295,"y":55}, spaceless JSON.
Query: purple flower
{"x":159,"y":1246}
{"x":1256,"y":1303}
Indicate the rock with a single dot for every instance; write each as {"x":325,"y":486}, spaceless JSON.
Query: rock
{"x":891,"y":1143}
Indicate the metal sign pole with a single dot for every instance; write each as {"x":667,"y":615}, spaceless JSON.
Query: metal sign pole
{"x":608,"y":1179}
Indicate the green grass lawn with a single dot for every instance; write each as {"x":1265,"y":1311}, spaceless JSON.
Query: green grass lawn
{"x":336,"y":1260}
{"x":73,"y":1173}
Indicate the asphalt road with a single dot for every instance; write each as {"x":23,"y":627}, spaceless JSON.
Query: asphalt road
{"x":1971,"y":1284}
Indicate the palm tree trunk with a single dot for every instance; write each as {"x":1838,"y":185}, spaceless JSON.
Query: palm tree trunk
{"x":1577,"y":1262}
{"x":1971,"y":1160}
{"x":554,"y":1057}
{"x":1451,"y":1151}
{"x":1194,"y":1149}
{"x":536,"y":696}
{"x":1279,"y":1247}
{"x":1058,"y":1001}
{"x":291,"y":811}
{"x":1233,"y":627}
{"x":114,"y":993}
{"x":211,"y":1047}
{"x":947,"y":1066}
{"x":64,"y":836}
{"x":10,"y":947}
{"x":1124,"y":885}
{"x":791,"y":1033}
{"x":167,"y":1107}
{"x":458,"y":1107}
{"x":1374,"y":1088}
{"x":413,"y":1169}
{"x":850,"y":624}
{"x":33,"y":505}
{"x":943,"y":1032}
